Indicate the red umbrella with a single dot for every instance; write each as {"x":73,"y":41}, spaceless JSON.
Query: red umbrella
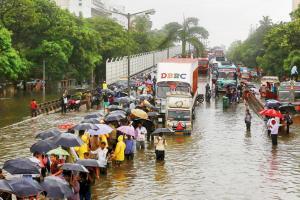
{"x":271,"y":113}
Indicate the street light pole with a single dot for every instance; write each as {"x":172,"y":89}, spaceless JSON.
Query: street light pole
{"x":44,"y":81}
{"x":128,"y":57}
{"x":129,"y":16}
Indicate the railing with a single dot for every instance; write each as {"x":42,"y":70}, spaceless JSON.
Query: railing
{"x":117,"y":68}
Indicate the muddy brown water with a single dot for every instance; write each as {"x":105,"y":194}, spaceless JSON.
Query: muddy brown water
{"x":220,"y":160}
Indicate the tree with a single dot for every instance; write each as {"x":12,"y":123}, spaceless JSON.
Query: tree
{"x":188,"y":32}
{"x":11,"y":65}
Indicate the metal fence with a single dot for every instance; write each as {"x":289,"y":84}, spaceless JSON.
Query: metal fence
{"x":117,"y":68}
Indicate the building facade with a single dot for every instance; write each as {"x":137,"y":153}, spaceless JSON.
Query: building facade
{"x":91,"y":8}
{"x":296,"y":3}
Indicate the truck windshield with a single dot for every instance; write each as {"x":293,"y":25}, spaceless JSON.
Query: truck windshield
{"x":162,"y":90}
{"x":179,"y":115}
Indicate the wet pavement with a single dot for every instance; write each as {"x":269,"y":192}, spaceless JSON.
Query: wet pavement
{"x":220,"y":160}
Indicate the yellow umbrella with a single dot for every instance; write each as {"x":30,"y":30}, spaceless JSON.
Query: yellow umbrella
{"x":139,"y":113}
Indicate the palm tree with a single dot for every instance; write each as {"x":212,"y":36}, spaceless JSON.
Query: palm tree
{"x":188,"y":32}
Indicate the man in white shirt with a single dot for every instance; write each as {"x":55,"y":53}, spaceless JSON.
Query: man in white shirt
{"x":274,"y":126}
{"x":294,"y":73}
{"x":140,"y":135}
{"x":101,"y":153}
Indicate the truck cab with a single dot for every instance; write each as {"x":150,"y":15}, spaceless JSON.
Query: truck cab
{"x":179,"y":112}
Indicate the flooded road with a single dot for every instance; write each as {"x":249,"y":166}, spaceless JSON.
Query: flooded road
{"x":220,"y":160}
{"x":16,"y":108}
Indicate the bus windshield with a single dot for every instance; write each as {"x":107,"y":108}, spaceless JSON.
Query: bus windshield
{"x":179,"y":115}
{"x":227,"y":76}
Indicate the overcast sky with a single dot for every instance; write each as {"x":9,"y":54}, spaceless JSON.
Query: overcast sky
{"x":226,"y":20}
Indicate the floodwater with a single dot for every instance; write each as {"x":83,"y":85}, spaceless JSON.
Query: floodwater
{"x":220,"y":160}
{"x":16,"y":108}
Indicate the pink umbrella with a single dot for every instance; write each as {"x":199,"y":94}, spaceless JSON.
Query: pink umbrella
{"x":127,"y":130}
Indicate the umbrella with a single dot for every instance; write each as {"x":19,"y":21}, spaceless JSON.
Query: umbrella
{"x":25,"y":187}
{"x":85,"y":126}
{"x":287,"y":108}
{"x":123,"y":100}
{"x":102,"y":129}
{"x":128,"y":130}
{"x":59,"y":152}
{"x":153,"y":114}
{"x":162,"y":130}
{"x":93,"y":116}
{"x":272,"y":104}
{"x":271,"y":113}
{"x":139,"y":113}
{"x":114,"y":117}
{"x":68,"y":140}
{"x":21,"y":166}
{"x":56,"y":187}
{"x":43,"y":146}
{"x":118,"y":112}
{"x":74,"y":167}
{"x":91,"y":121}
{"x":89,"y":163}
{"x":4,"y":186}
{"x":47,"y":134}
{"x":114,"y":107}
{"x":146,"y":123}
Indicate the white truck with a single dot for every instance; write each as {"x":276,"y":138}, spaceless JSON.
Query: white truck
{"x":176,"y":74}
{"x":179,"y":112}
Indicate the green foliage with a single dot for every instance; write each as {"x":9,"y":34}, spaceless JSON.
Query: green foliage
{"x":189,"y":31}
{"x":11,"y":65}
{"x":247,"y":52}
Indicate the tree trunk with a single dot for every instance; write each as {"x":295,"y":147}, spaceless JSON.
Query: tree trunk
{"x":183,"y":52}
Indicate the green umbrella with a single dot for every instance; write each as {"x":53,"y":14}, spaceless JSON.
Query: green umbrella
{"x":59,"y":152}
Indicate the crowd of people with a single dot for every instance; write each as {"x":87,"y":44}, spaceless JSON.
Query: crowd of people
{"x":128,"y":132}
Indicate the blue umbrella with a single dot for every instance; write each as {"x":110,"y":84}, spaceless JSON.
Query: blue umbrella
{"x":25,"y":187}
{"x":84,"y":126}
{"x":74,"y":167}
{"x":4,"y":187}
{"x":91,"y":121}
{"x":56,"y":187}
{"x":43,"y":146}
{"x":93,"y":116}
{"x":21,"y":166}
{"x":89,"y":163}
{"x":47,"y":134}
{"x":68,"y":140}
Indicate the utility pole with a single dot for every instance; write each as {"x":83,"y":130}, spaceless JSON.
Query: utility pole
{"x":92,"y":80}
{"x":44,"y":81}
{"x":128,"y":57}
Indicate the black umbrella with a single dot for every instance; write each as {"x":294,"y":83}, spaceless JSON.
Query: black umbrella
{"x":123,"y":100}
{"x":85,"y":126}
{"x":118,"y":112}
{"x":287,"y":108}
{"x":93,"y":116}
{"x":89,"y":163}
{"x":25,"y":187}
{"x":56,"y":187}
{"x":91,"y":121}
{"x":47,"y":134}
{"x":43,"y":146}
{"x":114,"y":107}
{"x":21,"y":166}
{"x":68,"y":140}
{"x":4,"y":186}
{"x":111,"y":118}
{"x":163,"y":130}
{"x":74,"y":167}
{"x":146,"y":123}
